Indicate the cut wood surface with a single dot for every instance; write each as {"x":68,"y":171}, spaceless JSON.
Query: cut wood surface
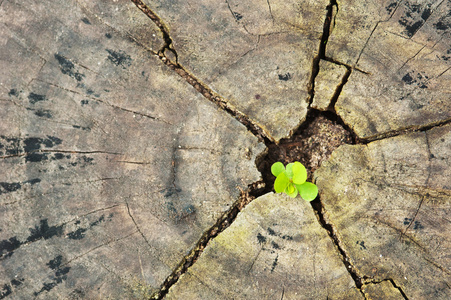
{"x":113,"y":166}
{"x":257,"y":55}
{"x":276,"y":249}
{"x":402,"y":49}
{"x":131,"y":131}
{"x":389,"y":202}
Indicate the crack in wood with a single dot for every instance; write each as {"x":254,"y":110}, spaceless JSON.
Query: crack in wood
{"x":402,"y":234}
{"x":403,"y":131}
{"x":132,"y":111}
{"x":136,"y":225}
{"x":321,"y":213}
{"x":253,"y":191}
{"x":134,"y":162}
{"x":203,"y":89}
{"x":168,"y":44}
{"x":265,"y":186}
{"x":322,"y":48}
{"x":107,"y":103}
{"x":111,"y":241}
{"x":441,"y":268}
{"x":392,"y":282}
{"x":58,"y":151}
{"x":426,"y":183}
{"x":270,"y":12}
{"x":374,"y":29}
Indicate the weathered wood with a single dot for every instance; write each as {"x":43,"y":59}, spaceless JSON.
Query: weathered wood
{"x":383,"y":291}
{"x":404,"y":48}
{"x":327,"y":83}
{"x":123,"y":18}
{"x":275,"y":249}
{"x":389,"y":201}
{"x":257,"y":55}
{"x":112,"y":165}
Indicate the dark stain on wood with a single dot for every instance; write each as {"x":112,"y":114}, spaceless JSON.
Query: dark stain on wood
{"x":119,"y":58}
{"x":68,"y":68}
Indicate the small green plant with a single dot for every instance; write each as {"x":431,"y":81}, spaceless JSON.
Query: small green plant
{"x":292,"y":179}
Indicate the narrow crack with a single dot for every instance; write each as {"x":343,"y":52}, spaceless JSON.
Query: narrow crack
{"x":311,"y":144}
{"x":21,"y":154}
{"x":270,"y":12}
{"x":347,"y":66}
{"x":398,"y":288}
{"x":136,"y":225}
{"x":101,"y":101}
{"x":402,"y":131}
{"x":167,"y":45}
{"x":338,"y":90}
{"x":202,"y":88}
{"x":320,"y":212}
{"x":254,"y":190}
{"x":392,"y":283}
{"x":426,"y":183}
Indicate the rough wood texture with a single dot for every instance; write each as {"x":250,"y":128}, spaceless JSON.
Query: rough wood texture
{"x":382,"y":291}
{"x":327,"y":83}
{"x":389,"y":201}
{"x":404,"y":48}
{"x":257,"y":56}
{"x":112,"y":165}
{"x":276,"y":249}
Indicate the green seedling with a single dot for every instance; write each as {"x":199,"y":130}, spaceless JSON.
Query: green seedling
{"x":292,"y":180}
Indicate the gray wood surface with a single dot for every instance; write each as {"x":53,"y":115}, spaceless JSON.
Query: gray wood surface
{"x":113,"y":166}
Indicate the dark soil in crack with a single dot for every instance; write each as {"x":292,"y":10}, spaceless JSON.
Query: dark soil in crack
{"x":311,"y":144}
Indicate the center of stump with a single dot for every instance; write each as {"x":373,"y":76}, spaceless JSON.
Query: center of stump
{"x":311,"y":144}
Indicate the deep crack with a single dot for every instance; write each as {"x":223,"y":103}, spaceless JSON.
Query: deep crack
{"x":202,"y":88}
{"x":318,"y":207}
{"x":158,"y":22}
{"x":254,"y":190}
{"x":312,"y":143}
{"x":322,"y":47}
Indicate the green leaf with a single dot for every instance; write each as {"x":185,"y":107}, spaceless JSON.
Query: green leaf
{"x":289,"y":170}
{"x":277,"y":168}
{"x":307,"y":190}
{"x":299,"y":173}
{"x":291,"y":191}
{"x":281,"y":183}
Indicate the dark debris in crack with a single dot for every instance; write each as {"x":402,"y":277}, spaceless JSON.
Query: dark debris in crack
{"x":254,"y":190}
{"x":169,"y":57}
{"x":311,"y":144}
{"x":167,"y":46}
